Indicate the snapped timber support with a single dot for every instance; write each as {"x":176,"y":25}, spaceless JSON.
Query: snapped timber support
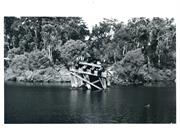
{"x":89,"y":75}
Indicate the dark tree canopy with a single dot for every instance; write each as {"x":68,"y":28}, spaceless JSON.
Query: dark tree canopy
{"x":108,"y":42}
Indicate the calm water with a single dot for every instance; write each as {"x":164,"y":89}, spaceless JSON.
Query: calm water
{"x":47,"y":104}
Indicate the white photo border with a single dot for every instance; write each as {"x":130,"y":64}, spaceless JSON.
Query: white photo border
{"x":94,"y":9}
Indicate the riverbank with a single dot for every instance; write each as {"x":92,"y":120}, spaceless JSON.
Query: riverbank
{"x":50,"y":74}
{"x":61,"y":74}
{"x":38,"y":84}
{"x":34,"y":67}
{"x":131,"y":70}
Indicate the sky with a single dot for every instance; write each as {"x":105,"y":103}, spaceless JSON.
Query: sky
{"x":91,"y":21}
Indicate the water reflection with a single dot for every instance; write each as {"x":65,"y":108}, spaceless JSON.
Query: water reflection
{"x":39,"y":104}
{"x":73,"y":100}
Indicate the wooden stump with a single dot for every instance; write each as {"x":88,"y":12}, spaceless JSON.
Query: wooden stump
{"x":74,"y":83}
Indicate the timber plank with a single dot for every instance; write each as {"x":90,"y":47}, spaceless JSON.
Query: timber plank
{"x":90,"y":64}
{"x":88,"y":73}
{"x":86,"y":81}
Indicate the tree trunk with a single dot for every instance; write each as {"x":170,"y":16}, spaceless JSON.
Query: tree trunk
{"x":124,"y":50}
{"x":148,"y":63}
{"x":50,"y":53}
{"x":137,"y":45}
{"x":114,"y":58}
{"x":159,"y":61}
{"x":38,"y":31}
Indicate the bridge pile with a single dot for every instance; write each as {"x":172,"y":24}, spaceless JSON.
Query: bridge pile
{"x":89,"y":75}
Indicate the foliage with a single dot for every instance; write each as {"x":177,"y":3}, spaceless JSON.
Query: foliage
{"x":141,"y":44}
{"x":71,"y":50}
{"x":31,"y":33}
{"x":129,"y":66}
{"x":156,"y":37}
{"x":30,"y":61}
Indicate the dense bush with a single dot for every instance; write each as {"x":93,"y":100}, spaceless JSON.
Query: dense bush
{"x":71,"y":50}
{"x":142,"y":49}
{"x":133,"y":69}
{"x":127,"y":69}
{"x":30,"y":61}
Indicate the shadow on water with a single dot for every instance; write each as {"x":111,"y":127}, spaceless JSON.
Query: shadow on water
{"x":60,"y":104}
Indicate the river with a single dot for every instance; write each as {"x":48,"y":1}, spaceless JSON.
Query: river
{"x":38,"y":103}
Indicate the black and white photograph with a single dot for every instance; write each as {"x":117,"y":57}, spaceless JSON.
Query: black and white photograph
{"x":58,"y":70}
{"x":89,"y":64}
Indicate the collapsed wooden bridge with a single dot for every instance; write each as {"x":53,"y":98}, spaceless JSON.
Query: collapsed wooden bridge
{"x":89,"y":75}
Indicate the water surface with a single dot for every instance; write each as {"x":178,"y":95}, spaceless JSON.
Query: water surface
{"x":60,"y":104}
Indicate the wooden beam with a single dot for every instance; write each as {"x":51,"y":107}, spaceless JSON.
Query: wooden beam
{"x":86,"y":84}
{"x":83,"y":72}
{"x":95,"y":81}
{"x":7,"y":59}
{"x":103,"y":82}
{"x":86,"y":81}
{"x":90,"y":64}
{"x":88,"y":73}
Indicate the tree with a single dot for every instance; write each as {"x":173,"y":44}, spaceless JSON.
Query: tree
{"x":31,"y":33}
{"x":71,"y":50}
{"x":101,"y":37}
{"x":58,"y":30}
